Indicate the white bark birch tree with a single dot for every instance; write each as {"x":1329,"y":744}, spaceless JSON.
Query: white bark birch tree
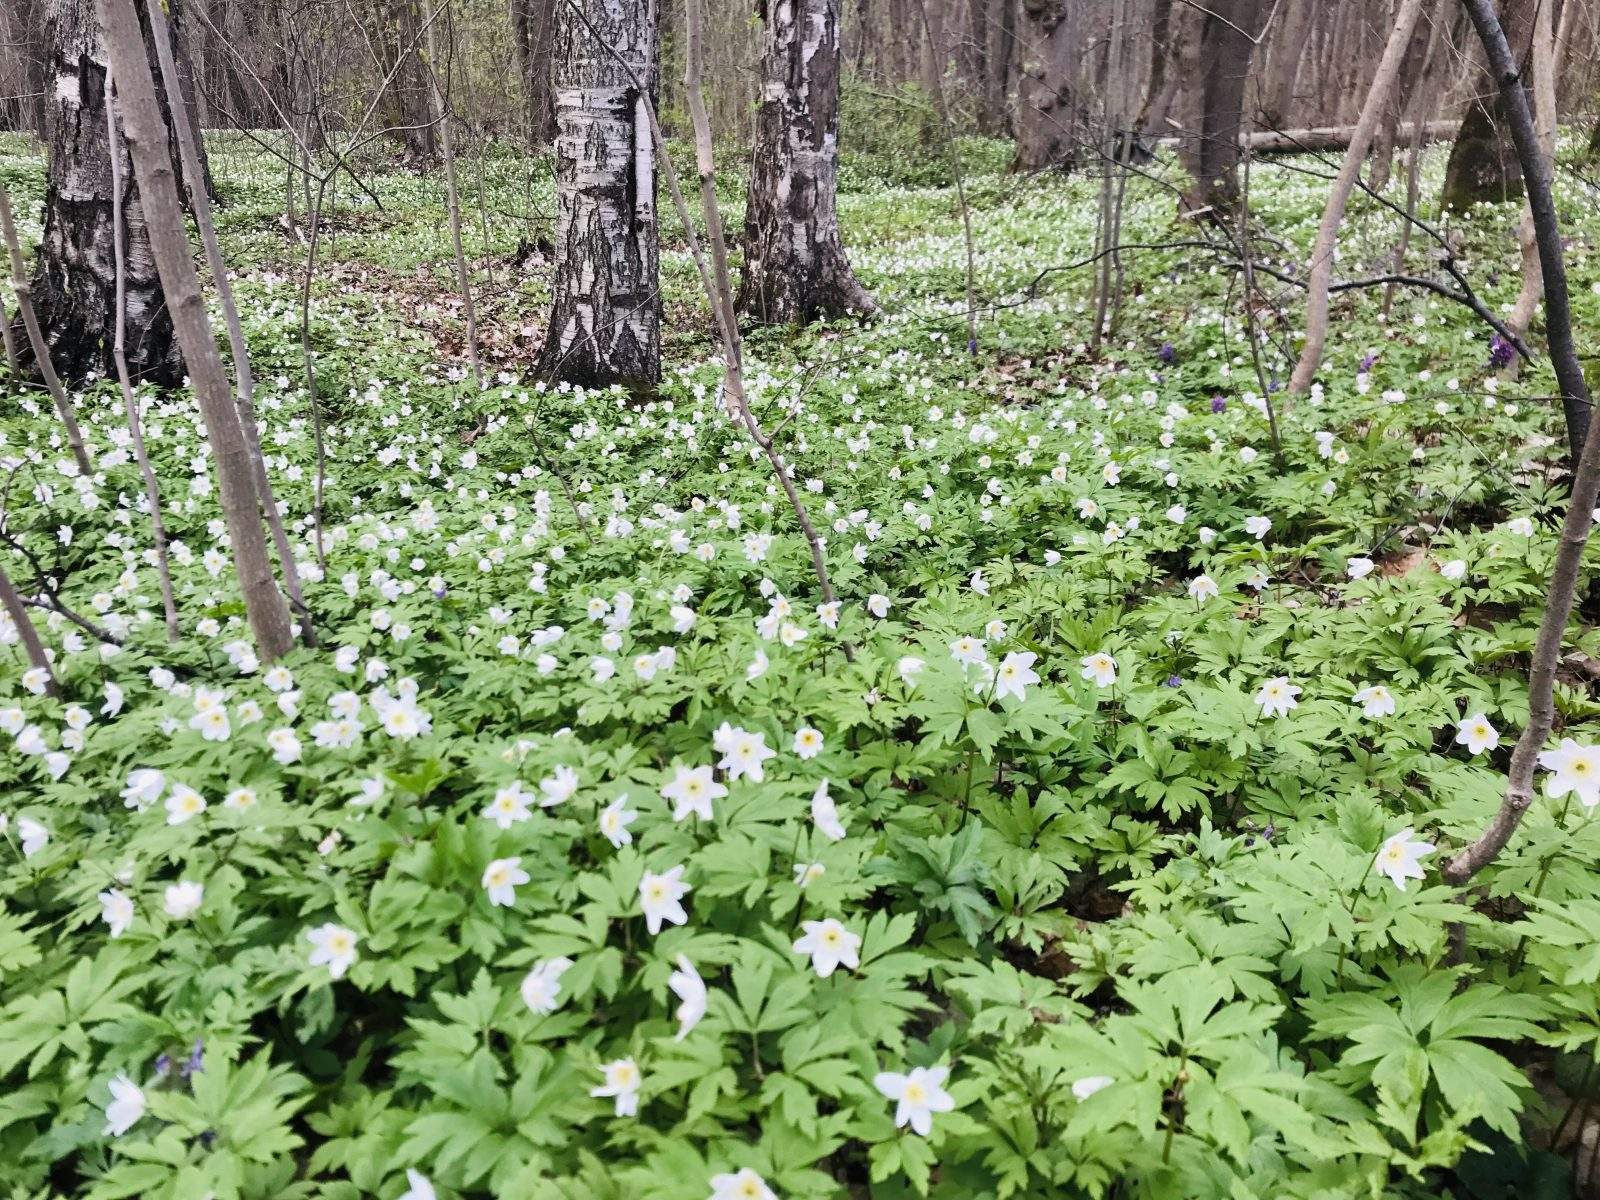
{"x":605,"y":320}
{"x":795,"y":268}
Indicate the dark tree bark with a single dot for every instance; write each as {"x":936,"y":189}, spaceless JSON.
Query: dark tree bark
{"x":997,"y":110}
{"x":795,"y":268}
{"x":532,"y":32}
{"x":1045,"y":125}
{"x":1157,"y":90}
{"x":1283,"y":66}
{"x":75,"y":289}
{"x":1210,"y":150}
{"x":1483,"y":160}
{"x":407,"y":104}
{"x":605,"y":323}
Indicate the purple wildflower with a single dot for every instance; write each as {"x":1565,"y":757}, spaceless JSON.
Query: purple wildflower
{"x":1366,"y":361}
{"x":196,"y":1060}
{"x":1174,"y":681}
{"x":1501,"y":352}
{"x":1167,"y":354}
{"x":1218,"y":404}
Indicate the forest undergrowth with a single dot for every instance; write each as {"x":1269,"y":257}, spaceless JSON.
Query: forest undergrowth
{"x":1088,"y":845}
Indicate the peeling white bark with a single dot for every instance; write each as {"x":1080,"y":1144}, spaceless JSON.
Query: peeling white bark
{"x":795,"y":265}
{"x":605,"y":322}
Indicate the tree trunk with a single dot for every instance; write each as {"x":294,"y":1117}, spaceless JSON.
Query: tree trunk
{"x":1542,"y":77}
{"x":406,"y":103}
{"x":150,"y":151}
{"x":1284,"y":67}
{"x":1152,"y":108}
{"x":1045,"y":125}
{"x":795,"y":268}
{"x":75,"y":290}
{"x":1483,"y":160}
{"x":533,"y":27}
{"x":997,"y":112}
{"x":1321,"y":274}
{"x":605,"y":323}
{"x":1211,"y":152}
{"x":1401,"y":100}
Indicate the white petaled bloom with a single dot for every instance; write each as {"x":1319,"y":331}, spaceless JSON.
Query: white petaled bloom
{"x":116,"y":910}
{"x":501,"y":878}
{"x":615,"y":819}
{"x":284,"y":745}
{"x":1455,"y":570}
{"x":183,"y":899}
{"x":661,"y":898}
{"x":1277,"y":697}
{"x":878,"y":605}
{"x":1083,"y":1088}
{"x":743,"y":1184}
{"x":743,"y":753}
{"x":1015,"y":673}
{"x":1573,"y":768}
{"x":969,"y":651}
{"x":184,"y":804}
{"x":541,"y":987}
{"x":830,"y":946}
{"x":808,"y":873}
{"x":1400,"y":857}
{"x":510,"y":805}
{"x":332,"y":946}
{"x":1257,"y":527}
{"x":908,"y":668}
{"x":622,"y":1080}
{"x":126,"y":1107}
{"x":807,"y":742}
{"x":145,"y":786}
{"x":558,"y":788}
{"x":35,"y":837}
{"x":825,"y":814}
{"x":691,"y":791}
{"x":1477,"y":735}
{"x":918,"y":1096}
{"x":1203,"y":588}
{"x":1359,"y":567}
{"x":1376,"y":701}
{"x":690,"y":990}
{"x":1100,"y":669}
{"x":418,"y":1186}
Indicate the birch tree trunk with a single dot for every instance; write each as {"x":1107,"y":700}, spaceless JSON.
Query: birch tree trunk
{"x":150,"y":151}
{"x":1383,"y":82}
{"x":605,"y":323}
{"x":795,"y":268}
{"x":76,"y":286}
{"x":1045,"y":124}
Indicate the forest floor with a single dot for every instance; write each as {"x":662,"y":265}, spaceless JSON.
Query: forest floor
{"x":1045,"y":864}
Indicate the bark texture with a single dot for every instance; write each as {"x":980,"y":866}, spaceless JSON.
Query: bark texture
{"x":407,"y":106}
{"x":75,"y":289}
{"x":1045,"y":125}
{"x":1210,"y":148}
{"x":1383,"y":84}
{"x":605,"y":322}
{"x":1483,"y":160}
{"x":533,"y":33}
{"x":795,"y":268}
{"x":151,"y":153}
